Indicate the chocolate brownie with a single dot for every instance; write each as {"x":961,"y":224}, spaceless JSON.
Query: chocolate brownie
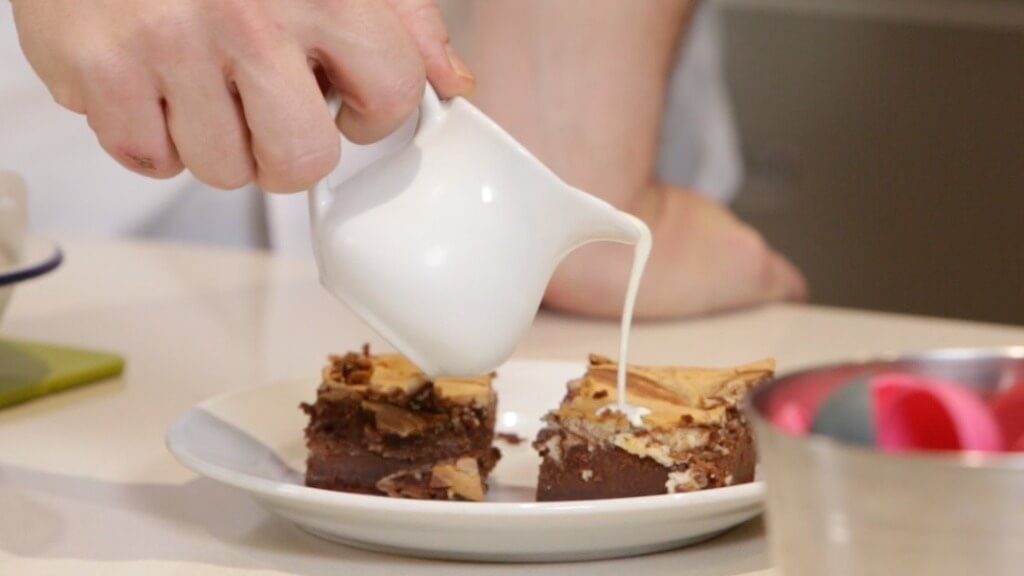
{"x":693,"y":437}
{"x":381,"y":426}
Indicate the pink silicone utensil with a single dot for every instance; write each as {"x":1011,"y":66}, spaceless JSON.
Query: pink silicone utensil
{"x":792,"y":418}
{"x":794,"y":410}
{"x":1008,"y":408}
{"x":918,"y":413}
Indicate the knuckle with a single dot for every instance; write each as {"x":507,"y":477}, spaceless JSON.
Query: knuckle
{"x":334,"y":11}
{"x":235,"y":181}
{"x":754,"y":244}
{"x":754,"y":256}
{"x":219,"y":156}
{"x":428,"y":10}
{"x":237,"y":10}
{"x":100,"y":66}
{"x":419,"y":8}
{"x":225,"y":176}
{"x":425,"y":18}
{"x":165,"y":43}
{"x":298,"y":168}
{"x":69,"y":98}
{"x":90,"y":56}
{"x":247,"y":31}
{"x":97,"y":126}
{"x":167,"y":28}
{"x":108,"y":74}
{"x":748,"y":249}
{"x":395,"y":99}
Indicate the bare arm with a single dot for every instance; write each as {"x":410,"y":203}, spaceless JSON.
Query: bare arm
{"x":582,"y":83}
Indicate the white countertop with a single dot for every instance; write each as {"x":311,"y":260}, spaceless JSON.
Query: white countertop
{"x":87,"y":487}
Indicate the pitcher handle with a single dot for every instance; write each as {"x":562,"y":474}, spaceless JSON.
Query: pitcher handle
{"x":430,"y":114}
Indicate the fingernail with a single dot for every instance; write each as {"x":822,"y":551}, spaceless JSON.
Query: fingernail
{"x":458,"y":64}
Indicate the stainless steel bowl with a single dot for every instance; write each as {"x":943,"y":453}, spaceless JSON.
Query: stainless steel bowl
{"x":840,"y":509}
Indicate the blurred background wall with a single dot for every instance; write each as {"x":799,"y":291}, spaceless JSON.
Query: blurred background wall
{"x":884,"y":147}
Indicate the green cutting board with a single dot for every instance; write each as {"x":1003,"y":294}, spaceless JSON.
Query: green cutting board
{"x":29,"y":370}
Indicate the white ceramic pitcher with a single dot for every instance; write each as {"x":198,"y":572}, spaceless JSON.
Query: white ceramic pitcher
{"x":446,"y":246}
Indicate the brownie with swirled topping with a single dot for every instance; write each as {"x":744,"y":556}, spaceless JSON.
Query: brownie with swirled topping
{"x":693,"y":434}
{"x":381,"y":426}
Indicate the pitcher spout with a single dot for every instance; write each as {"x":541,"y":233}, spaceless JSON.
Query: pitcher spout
{"x":593,"y":219}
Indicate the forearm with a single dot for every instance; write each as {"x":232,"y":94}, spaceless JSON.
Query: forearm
{"x":582,"y":84}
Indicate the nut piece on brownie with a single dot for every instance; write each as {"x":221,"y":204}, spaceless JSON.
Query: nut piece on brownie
{"x":694,"y":437}
{"x":380,"y":426}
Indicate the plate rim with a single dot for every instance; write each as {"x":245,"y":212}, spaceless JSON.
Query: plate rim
{"x":750,"y":493}
{"x":21,"y":271}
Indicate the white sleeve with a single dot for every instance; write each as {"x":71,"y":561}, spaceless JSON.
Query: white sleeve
{"x":699,"y":144}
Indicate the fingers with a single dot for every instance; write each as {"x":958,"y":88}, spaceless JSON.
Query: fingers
{"x":234,"y":80}
{"x":54,"y":63}
{"x":206,"y":122}
{"x":372,"y":61}
{"x":126,"y":113}
{"x":792,"y":286}
{"x":88,"y":71}
{"x":294,"y":141}
{"x":750,"y":271}
{"x":736,"y":266}
{"x":446,"y":71}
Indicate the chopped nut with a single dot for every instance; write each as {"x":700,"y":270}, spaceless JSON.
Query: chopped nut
{"x":391,"y":419}
{"x":462,"y":479}
{"x":395,"y":374}
{"x":475,"y":390}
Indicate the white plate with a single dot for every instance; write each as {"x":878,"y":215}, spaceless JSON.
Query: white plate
{"x":252,"y":439}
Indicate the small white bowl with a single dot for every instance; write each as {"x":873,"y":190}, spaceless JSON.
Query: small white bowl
{"x":38,"y":257}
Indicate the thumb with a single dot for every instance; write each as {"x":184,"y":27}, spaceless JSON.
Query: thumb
{"x":446,"y":71}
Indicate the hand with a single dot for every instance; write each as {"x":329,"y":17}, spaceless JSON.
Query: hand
{"x":703,"y":260}
{"x":585,"y":92}
{"x":229,"y":88}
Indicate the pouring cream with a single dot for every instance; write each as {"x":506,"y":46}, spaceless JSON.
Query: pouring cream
{"x":641,"y":252}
